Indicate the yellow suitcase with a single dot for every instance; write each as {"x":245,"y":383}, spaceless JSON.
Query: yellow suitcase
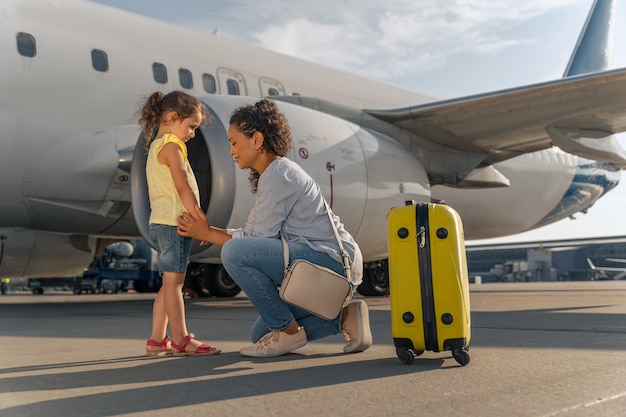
{"x":428,"y":282}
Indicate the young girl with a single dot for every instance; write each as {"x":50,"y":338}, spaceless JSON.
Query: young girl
{"x":172,"y":190}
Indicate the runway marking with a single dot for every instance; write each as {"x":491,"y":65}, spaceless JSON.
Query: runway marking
{"x":586,"y":405}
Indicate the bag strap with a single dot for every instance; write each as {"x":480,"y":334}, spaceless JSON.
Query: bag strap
{"x":285,"y":250}
{"x":344,"y":254}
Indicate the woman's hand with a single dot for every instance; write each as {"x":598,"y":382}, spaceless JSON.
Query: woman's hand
{"x":195,"y":225}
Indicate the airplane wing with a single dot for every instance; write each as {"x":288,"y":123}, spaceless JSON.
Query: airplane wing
{"x":595,"y":267}
{"x":577,"y":114}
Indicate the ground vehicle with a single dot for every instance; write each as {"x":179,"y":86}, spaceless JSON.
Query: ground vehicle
{"x":121,"y":263}
{"x":86,"y":285}
{"x":35,"y":286}
{"x":511,"y":271}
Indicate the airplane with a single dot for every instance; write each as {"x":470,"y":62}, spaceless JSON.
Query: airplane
{"x":72,"y":162}
{"x":602,"y":270}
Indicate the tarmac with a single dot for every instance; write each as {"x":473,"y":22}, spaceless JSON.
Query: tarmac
{"x":538,"y":349}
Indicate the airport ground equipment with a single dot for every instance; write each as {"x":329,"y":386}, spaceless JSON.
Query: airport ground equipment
{"x":120,"y":263}
{"x":429,"y":289}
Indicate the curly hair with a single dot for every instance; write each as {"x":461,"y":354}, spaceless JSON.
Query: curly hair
{"x":159,"y":104}
{"x":264,"y":117}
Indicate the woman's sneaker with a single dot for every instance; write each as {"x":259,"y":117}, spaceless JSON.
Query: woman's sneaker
{"x":276,"y":343}
{"x":356,"y":327}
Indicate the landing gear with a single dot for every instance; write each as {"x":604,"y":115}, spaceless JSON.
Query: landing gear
{"x":197,"y":279}
{"x":375,"y":279}
{"x":207,"y":279}
{"x":221,"y":284}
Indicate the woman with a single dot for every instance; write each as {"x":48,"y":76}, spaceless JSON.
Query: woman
{"x":288,"y":202}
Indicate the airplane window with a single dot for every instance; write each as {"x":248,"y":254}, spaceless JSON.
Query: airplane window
{"x":233,"y":87}
{"x":208,"y":82}
{"x":99,"y":60}
{"x":26,"y":45}
{"x":272,"y":92}
{"x":185,"y":78}
{"x":159,"y":73}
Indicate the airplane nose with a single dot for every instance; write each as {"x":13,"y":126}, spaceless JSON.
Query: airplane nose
{"x":592,"y":180}
{"x":603,"y":176}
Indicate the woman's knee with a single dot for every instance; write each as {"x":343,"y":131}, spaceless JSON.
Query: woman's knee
{"x":226,"y":253}
{"x":230,"y":256}
{"x":263,"y":254}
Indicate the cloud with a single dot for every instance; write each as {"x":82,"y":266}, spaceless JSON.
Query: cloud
{"x":322,"y":42}
{"x":379,"y":39}
{"x":398,"y":37}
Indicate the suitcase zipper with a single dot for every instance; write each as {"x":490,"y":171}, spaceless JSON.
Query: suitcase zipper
{"x":426,"y":278}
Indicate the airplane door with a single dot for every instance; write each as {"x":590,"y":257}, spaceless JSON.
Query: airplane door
{"x":231,"y":82}
{"x":270,"y":87}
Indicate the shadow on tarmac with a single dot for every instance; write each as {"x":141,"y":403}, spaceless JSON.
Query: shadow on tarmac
{"x":177,"y":372}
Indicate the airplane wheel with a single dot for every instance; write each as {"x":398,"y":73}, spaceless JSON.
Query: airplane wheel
{"x":221,"y":284}
{"x":375,"y":279}
{"x":198,"y":279}
{"x":141,"y":286}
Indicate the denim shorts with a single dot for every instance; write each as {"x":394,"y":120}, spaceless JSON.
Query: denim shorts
{"x":172,"y":249}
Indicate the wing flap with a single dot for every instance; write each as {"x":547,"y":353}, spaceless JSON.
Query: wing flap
{"x":510,"y":122}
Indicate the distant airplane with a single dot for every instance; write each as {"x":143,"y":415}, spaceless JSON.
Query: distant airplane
{"x":71,"y":165}
{"x":601,"y":270}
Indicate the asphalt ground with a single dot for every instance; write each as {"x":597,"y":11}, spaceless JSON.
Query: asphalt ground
{"x":537,"y":349}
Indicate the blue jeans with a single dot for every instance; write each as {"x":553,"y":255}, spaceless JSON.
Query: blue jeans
{"x":256,"y":264}
{"x":172,"y":249}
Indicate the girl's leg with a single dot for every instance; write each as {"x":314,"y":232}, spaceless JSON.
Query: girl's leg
{"x":159,"y":321}
{"x":173,"y":255}
{"x":159,"y":317}
{"x":175,"y":308}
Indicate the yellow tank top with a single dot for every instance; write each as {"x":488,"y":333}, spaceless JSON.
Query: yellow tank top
{"x":165,"y":203}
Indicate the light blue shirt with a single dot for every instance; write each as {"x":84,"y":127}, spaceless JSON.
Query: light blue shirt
{"x":289,"y":200}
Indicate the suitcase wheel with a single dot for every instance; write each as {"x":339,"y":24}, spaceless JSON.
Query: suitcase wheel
{"x":405,"y":355}
{"x":461,"y":356}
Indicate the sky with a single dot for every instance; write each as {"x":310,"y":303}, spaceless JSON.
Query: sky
{"x":444,"y":48}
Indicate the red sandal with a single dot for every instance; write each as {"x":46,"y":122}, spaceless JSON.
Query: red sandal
{"x":165,"y":345}
{"x":204,"y":349}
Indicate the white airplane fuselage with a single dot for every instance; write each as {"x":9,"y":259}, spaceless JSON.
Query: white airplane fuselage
{"x":68,"y":131}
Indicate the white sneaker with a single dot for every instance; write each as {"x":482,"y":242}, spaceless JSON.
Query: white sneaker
{"x":356,"y":327}
{"x":275,"y":343}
